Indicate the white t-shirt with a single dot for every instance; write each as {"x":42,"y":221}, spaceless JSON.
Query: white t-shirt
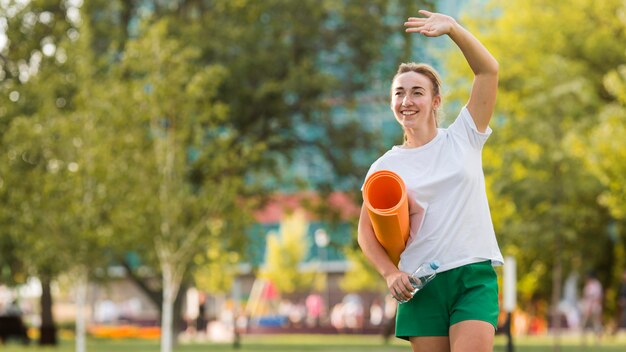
{"x":445,"y":176}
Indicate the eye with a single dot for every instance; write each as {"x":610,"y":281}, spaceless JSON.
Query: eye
{"x":398,"y":93}
{"x":418,"y":93}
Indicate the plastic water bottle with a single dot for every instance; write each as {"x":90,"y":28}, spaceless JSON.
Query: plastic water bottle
{"x":424,"y":274}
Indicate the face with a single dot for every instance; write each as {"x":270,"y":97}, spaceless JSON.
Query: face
{"x":412,"y":100}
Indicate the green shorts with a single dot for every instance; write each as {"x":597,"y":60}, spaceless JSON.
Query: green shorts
{"x":468,"y":292}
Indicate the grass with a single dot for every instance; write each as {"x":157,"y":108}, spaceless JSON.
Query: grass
{"x":319,"y":343}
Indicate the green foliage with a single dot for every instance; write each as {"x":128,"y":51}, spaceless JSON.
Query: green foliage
{"x":544,"y":198}
{"x":361,"y":275}
{"x":49,"y":171}
{"x":285,"y":253}
{"x":119,"y":89}
{"x":287,"y":62}
{"x":608,"y":146}
{"x":216,"y":269}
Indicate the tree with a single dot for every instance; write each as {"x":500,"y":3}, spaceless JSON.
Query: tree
{"x":47,"y":178}
{"x":161,"y":126}
{"x":53,"y":176}
{"x":282,"y":68}
{"x":290,"y":63}
{"x":285,"y":254}
{"x":45,"y":203}
{"x":603,"y":151}
{"x":362,"y":275}
{"x":552,"y":63}
{"x":176,"y":152}
{"x":607,"y":144}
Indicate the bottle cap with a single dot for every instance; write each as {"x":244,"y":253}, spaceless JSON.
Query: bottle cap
{"x":434,"y":264}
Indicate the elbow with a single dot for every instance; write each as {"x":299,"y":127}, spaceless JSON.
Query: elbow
{"x":489,"y":71}
{"x":489,"y":68}
{"x":494,"y":67}
{"x":363,"y":238}
{"x":360,"y":238}
{"x":364,"y":231}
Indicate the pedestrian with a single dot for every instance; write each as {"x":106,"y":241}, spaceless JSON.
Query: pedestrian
{"x":442,"y":169}
{"x":592,"y":306}
{"x":389,"y":322}
{"x":376,"y":313}
{"x":314,"y":305}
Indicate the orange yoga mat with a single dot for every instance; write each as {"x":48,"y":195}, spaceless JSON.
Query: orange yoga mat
{"x":386,"y":200}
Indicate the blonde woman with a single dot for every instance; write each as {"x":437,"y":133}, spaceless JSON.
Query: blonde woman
{"x":442,"y":169}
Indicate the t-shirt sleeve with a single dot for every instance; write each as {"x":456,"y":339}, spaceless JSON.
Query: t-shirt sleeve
{"x":465,"y":128}
{"x":375,"y":167}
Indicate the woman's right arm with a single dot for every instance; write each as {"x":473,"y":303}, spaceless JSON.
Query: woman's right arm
{"x":397,"y":281}
{"x":485,"y":67}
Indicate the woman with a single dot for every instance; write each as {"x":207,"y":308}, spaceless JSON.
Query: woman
{"x":442,"y":170}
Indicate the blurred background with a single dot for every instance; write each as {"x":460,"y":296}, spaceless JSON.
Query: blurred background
{"x":190,"y":170}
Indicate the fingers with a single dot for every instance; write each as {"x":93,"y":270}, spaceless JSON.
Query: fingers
{"x":429,"y":32}
{"x":414,"y":21}
{"x":401,"y":289}
{"x":432,"y":26}
{"x":425,"y":13}
{"x":419,"y":24}
{"x":422,"y":12}
{"x":432,"y":32}
{"x":421,"y":30}
{"x":415,"y":25}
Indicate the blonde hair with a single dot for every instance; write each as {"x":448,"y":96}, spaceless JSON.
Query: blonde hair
{"x":426,"y":70}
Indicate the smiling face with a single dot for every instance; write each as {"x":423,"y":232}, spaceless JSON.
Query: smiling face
{"x":413,"y":101}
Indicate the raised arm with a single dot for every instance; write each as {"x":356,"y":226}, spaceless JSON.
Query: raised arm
{"x":485,"y":67}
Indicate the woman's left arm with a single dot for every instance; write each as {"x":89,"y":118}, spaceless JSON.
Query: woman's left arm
{"x":483,"y":64}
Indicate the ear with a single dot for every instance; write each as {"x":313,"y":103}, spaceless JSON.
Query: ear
{"x":436,"y":102}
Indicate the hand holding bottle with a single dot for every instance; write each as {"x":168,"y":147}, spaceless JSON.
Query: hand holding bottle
{"x":424,"y":274}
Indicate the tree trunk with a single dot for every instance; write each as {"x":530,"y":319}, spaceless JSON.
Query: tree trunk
{"x":171,"y":284}
{"x":81,"y":305}
{"x":156,"y":296}
{"x":178,"y":322}
{"x":556,"y":297}
{"x":48,"y":331}
{"x":557,"y":272}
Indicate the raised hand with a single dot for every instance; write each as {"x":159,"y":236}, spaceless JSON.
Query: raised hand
{"x":432,"y":25}
{"x":485,"y":67}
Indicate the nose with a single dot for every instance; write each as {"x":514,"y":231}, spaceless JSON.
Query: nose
{"x":406,"y":101}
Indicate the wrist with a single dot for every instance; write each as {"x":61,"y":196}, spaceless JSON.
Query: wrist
{"x":387,"y":273}
{"x":455,"y":27}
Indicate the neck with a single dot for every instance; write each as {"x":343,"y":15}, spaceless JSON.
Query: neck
{"x":419,"y":137}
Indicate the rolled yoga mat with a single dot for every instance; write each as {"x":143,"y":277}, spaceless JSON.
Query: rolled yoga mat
{"x":386,"y":200}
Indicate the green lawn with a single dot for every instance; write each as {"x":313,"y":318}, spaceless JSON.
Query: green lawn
{"x":321,"y":343}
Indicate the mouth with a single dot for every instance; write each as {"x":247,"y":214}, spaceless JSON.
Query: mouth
{"x":408,"y":113}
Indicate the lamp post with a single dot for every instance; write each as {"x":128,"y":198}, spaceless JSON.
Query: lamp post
{"x":321,"y":241}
